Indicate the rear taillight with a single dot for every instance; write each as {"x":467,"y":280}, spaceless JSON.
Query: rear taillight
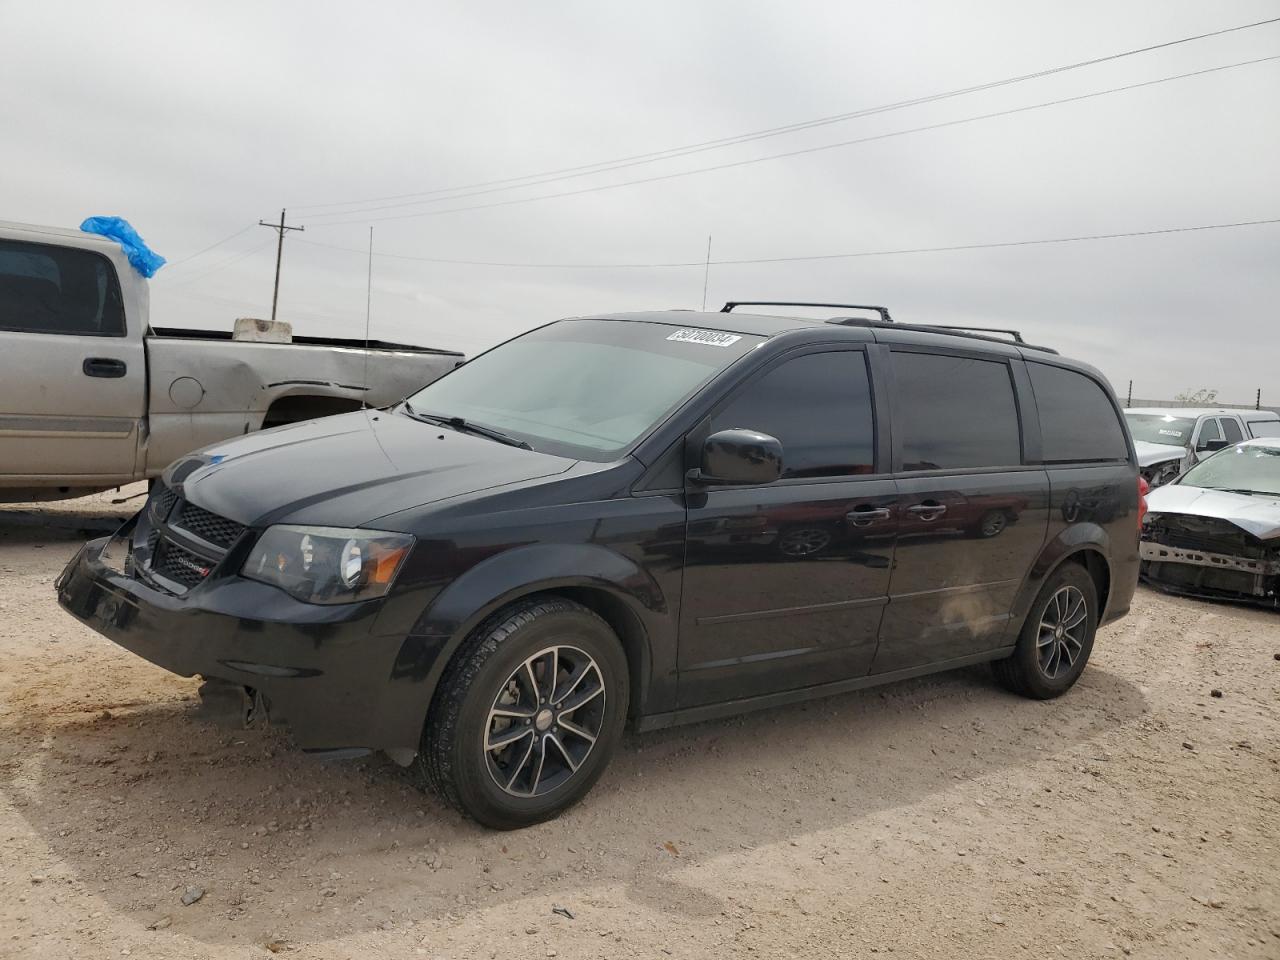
{"x":1143,"y":489}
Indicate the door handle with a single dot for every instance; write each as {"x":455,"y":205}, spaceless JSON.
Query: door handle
{"x":928,"y":510}
{"x":863,"y":515}
{"x":104,"y":367}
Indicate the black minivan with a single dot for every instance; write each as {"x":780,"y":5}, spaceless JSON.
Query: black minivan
{"x":656,"y":517}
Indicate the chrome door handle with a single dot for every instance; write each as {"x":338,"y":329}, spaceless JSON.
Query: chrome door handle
{"x":862,"y":517}
{"x":928,"y":511}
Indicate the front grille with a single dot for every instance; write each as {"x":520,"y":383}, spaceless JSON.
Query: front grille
{"x":180,"y":565}
{"x":178,"y":544}
{"x":162,"y":502}
{"x":208,"y":526}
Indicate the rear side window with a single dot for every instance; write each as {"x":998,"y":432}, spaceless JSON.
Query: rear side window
{"x":1077,"y":420}
{"x":49,"y":289}
{"x":818,"y":406}
{"x":955,"y":412}
{"x":1231,"y":430}
{"x":1264,"y":428}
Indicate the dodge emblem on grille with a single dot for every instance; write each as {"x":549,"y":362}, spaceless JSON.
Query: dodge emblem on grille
{"x":189,"y":564}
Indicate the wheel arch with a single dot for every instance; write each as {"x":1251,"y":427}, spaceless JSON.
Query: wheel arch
{"x":615,"y":589}
{"x":298,"y":407}
{"x":1087,"y":544}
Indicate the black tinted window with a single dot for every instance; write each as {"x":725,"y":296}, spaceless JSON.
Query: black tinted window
{"x":1077,"y":420}
{"x":819,"y":406}
{"x":1232,"y":430}
{"x":47,"y":289}
{"x":955,"y":412}
{"x":1209,"y":431}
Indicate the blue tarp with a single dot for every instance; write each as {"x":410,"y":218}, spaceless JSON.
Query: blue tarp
{"x":145,"y":260}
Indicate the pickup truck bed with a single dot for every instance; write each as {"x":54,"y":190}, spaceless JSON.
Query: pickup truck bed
{"x":93,"y":396}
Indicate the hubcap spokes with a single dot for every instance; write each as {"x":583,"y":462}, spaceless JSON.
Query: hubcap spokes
{"x":544,"y":721}
{"x":1062,"y":630}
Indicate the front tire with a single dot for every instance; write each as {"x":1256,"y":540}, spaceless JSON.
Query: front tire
{"x":527,"y":715}
{"x":1056,"y":638}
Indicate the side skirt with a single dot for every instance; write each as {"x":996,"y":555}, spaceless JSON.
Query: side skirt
{"x":714,"y":711}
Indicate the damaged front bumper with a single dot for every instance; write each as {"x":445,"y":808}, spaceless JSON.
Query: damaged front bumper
{"x":1206,"y":573}
{"x":321,"y":671}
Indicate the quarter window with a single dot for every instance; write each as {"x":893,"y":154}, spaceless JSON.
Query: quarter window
{"x":818,"y":406}
{"x":1077,"y":420}
{"x":49,"y":289}
{"x":955,"y":412}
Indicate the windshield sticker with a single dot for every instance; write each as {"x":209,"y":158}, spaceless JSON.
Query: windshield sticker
{"x":1170,"y":433}
{"x":710,"y":338}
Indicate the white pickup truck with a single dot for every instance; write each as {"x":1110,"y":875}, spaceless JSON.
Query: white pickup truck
{"x":92,"y":396}
{"x":1170,"y":440}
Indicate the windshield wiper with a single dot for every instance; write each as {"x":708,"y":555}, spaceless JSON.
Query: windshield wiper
{"x":1248,"y":493}
{"x":465,"y":426}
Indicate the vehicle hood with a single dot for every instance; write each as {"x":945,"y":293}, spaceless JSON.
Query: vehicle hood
{"x":1258,"y":515}
{"x":349,"y":469}
{"x":1152,"y":453}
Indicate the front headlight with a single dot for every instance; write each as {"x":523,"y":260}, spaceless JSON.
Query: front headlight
{"x":327,"y":564}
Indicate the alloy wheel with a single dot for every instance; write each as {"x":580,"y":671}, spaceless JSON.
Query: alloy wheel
{"x":545,"y":721}
{"x":1062,"y":632}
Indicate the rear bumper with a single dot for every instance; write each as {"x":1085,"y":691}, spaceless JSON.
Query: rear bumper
{"x":320,"y":670}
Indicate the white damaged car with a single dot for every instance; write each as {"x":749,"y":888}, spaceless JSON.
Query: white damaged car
{"x":1215,"y":531}
{"x":1169,"y":440}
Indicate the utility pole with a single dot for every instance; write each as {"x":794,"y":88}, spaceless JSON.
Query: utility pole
{"x":280,"y":228}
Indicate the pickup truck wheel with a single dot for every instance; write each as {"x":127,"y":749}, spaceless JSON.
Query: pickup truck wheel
{"x":527,"y":715}
{"x":1056,"y":638}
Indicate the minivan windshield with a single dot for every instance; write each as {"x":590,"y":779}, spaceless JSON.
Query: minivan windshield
{"x":586,"y":389}
{"x":1244,"y":469}
{"x":1160,"y":428}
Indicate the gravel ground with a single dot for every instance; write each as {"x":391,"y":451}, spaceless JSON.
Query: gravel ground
{"x":1139,"y":815}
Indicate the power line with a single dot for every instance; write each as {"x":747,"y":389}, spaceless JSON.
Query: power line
{"x":800,"y":152}
{"x":236,"y":258}
{"x":200,"y":253}
{"x":564,"y":173}
{"x":809,"y":258}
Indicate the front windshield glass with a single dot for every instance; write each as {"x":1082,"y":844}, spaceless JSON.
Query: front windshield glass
{"x":1160,"y":428}
{"x":583,"y":388}
{"x":1242,"y":469}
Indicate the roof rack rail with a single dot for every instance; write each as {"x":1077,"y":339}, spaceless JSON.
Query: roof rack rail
{"x":728,"y":307}
{"x":1017,"y":337}
{"x":975,"y":333}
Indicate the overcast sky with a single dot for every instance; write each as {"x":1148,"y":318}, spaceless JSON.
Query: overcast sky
{"x":195,"y":121}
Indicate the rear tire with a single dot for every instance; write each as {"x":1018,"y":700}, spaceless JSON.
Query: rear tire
{"x":1056,"y":638}
{"x":527,"y":714}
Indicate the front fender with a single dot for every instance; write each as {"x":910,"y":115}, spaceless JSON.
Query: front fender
{"x":577,"y":569}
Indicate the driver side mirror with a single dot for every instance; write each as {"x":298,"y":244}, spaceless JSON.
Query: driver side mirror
{"x":1211,"y":445}
{"x":743,"y":457}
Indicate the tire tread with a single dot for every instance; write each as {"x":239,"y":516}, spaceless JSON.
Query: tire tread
{"x":432,"y":767}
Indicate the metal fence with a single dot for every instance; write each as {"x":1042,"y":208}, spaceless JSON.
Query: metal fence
{"x":1138,"y":402}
